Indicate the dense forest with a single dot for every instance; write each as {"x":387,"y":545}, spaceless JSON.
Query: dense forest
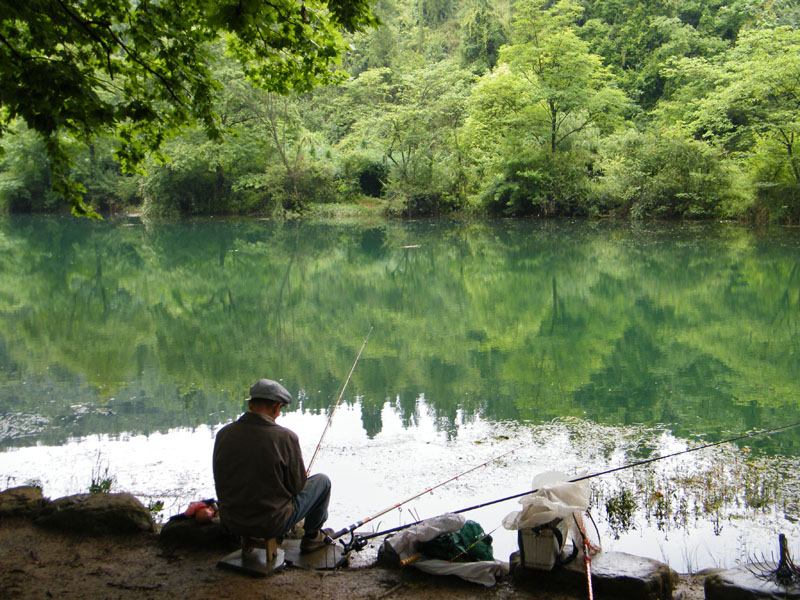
{"x":628,"y":108}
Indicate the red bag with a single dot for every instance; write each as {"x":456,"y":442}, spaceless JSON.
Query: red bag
{"x":202,"y":511}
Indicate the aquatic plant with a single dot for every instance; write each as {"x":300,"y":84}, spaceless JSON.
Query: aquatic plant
{"x":102,"y":479}
{"x":620,"y":509}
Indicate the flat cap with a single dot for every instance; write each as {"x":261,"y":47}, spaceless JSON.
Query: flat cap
{"x":266,"y":389}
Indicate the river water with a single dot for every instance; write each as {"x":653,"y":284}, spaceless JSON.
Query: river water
{"x":528,"y":346}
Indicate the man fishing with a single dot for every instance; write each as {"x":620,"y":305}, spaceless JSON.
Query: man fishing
{"x":262,"y":486}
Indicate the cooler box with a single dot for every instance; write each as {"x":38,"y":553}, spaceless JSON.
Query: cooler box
{"x":540,"y":547}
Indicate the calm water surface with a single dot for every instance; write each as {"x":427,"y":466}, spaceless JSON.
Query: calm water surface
{"x":126,"y":344}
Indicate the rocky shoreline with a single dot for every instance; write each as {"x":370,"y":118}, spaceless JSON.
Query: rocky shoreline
{"x":106,"y":546}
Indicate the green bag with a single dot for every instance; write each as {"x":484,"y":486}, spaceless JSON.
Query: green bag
{"x":468,"y":544}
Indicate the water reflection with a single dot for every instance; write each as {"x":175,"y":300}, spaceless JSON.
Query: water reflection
{"x":140,"y":327}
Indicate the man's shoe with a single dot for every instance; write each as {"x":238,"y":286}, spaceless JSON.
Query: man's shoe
{"x":316,"y":542}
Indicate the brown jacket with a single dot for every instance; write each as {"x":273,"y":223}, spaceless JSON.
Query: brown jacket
{"x":258,"y":468}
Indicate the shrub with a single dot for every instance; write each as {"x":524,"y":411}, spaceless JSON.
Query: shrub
{"x":408,"y":200}
{"x":774,"y":175}
{"x":665,"y":176}
{"x":25,"y":175}
{"x":185,"y":189}
{"x":540,"y":184}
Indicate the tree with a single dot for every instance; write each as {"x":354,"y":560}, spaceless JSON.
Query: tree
{"x":414,"y":122}
{"x":481,"y":38}
{"x":754,"y":107}
{"x":531,"y":117}
{"x":139,"y":69}
{"x":277,"y":117}
{"x":568,"y":89}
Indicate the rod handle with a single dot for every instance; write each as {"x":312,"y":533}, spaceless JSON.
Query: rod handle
{"x":410,"y":559}
{"x":342,"y":532}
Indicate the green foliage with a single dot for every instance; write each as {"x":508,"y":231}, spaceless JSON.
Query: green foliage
{"x":435,"y":12}
{"x":315,"y":184}
{"x":541,"y":184}
{"x":565,"y":87}
{"x":107,"y":188}
{"x":443,"y":103}
{"x":637,"y":39}
{"x":497,"y":125}
{"x":25,"y":175}
{"x":198,"y":180}
{"x":102,"y":479}
{"x":481,"y":39}
{"x":664,"y":176}
{"x":753,"y":110}
{"x":140,"y":70}
{"x":414,"y":123}
{"x":757,"y":93}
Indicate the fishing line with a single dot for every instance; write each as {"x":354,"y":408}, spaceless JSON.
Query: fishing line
{"x":335,"y":406}
{"x":368,"y":536}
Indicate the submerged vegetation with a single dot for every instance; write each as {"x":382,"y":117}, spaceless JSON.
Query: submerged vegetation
{"x":719,"y":486}
{"x":513,"y":108}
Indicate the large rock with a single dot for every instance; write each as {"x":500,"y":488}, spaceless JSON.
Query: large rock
{"x":744,"y":583}
{"x":25,"y":500}
{"x":614,"y":575}
{"x":189,"y":532}
{"x":621,"y":575}
{"x":97,"y":513}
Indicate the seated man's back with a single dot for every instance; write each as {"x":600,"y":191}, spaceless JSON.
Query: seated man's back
{"x":258,"y":469}
{"x":262,"y":486}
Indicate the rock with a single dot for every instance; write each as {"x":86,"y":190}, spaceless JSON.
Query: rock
{"x":614,"y":575}
{"x":742,"y":583}
{"x":189,"y":532}
{"x":96,"y":514}
{"x":25,"y":500}
{"x":621,"y":575}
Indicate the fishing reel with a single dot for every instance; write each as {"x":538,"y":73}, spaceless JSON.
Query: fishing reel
{"x":356,"y":542}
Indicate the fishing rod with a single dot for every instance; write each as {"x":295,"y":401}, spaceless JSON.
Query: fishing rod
{"x":587,"y":552}
{"x":335,"y":406}
{"x":360,"y":541}
{"x":351,"y":528}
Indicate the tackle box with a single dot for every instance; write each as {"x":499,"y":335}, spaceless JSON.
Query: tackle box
{"x":541,"y":546}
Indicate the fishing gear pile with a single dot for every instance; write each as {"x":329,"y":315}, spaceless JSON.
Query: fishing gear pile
{"x":447,"y":545}
{"x":549,"y":518}
{"x":468,"y":544}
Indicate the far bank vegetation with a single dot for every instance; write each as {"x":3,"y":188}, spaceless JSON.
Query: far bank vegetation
{"x":625,"y":108}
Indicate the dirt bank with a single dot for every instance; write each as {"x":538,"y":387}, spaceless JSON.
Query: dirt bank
{"x":36,"y":563}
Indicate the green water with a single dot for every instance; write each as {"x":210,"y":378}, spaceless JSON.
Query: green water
{"x":138,"y":327}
